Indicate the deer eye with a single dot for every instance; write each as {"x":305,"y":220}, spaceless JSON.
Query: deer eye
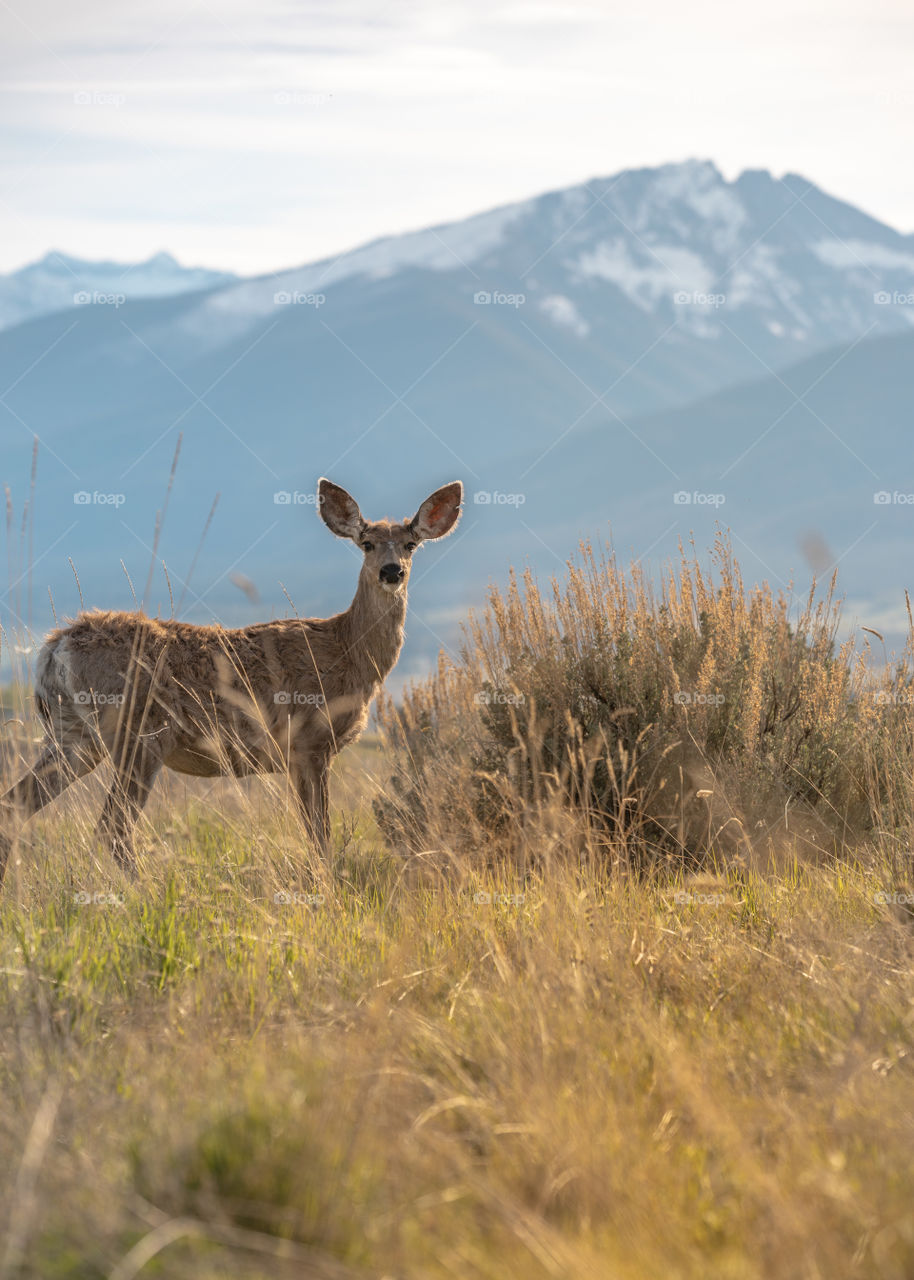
{"x":411,"y":546}
{"x":368,"y":546}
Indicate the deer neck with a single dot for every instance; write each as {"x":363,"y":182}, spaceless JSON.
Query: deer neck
{"x":372,"y":631}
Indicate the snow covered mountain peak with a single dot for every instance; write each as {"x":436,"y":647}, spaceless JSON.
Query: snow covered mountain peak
{"x":775,"y":260}
{"x":59,"y":280}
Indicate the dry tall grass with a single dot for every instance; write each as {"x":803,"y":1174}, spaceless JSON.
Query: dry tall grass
{"x":558,"y":1015}
{"x":706,"y":724}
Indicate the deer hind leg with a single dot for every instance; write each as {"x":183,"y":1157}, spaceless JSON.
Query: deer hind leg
{"x":313,"y":786}
{"x":60,"y":764}
{"x":129,"y":792}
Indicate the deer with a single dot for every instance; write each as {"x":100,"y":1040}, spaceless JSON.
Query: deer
{"x":206,"y":700}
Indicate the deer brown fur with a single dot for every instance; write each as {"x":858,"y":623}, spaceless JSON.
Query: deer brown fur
{"x":206,"y":700}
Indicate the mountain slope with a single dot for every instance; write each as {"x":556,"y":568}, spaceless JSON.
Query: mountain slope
{"x":809,"y":469}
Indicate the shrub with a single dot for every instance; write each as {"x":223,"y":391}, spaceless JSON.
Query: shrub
{"x":699,"y":721}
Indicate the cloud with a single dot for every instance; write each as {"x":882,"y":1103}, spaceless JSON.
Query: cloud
{"x":301,"y":129}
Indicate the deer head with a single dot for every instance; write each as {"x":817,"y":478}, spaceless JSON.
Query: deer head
{"x":387,"y":547}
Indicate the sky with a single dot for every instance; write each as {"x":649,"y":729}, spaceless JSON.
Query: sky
{"x":252,"y":135}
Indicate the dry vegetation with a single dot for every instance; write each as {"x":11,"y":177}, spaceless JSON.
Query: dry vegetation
{"x":604,"y":982}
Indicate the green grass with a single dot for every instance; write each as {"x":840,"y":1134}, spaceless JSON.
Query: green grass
{"x":599,"y":1078}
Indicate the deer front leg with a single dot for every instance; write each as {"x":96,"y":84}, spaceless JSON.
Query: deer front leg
{"x":313,"y":787}
{"x":53,"y":771}
{"x":129,"y":793}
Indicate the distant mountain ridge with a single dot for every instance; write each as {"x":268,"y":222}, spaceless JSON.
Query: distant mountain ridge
{"x":58,"y":281}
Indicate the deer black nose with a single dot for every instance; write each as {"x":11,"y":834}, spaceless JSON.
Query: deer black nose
{"x":391,"y":573}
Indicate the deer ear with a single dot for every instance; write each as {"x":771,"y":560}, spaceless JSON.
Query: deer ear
{"x":439,"y":512}
{"x":339,"y":510}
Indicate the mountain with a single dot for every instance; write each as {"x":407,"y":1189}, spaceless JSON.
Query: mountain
{"x":58,"y":281}
{"x":775,"y":264}
{"x":810,"y":469}
{"x":537,"y":351}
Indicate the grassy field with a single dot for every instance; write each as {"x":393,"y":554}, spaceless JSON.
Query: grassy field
{"x":601,"y":982}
